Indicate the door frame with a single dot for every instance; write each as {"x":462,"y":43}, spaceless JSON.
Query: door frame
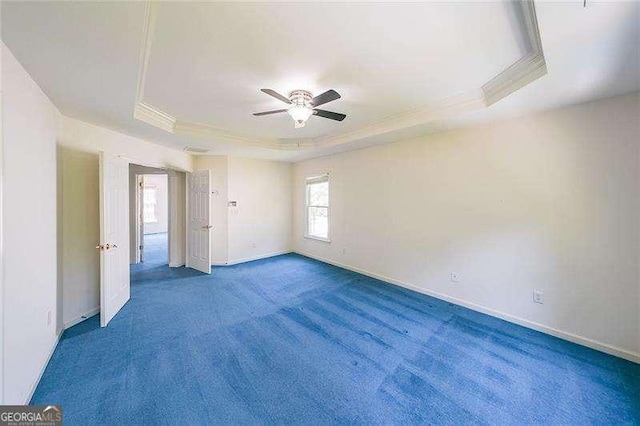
{"x":176,"y":194}
{"x":2,"y":259}
{"x":139,"y":218}
{"x":177,"y":239}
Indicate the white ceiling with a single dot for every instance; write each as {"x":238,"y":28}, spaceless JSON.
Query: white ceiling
{"x":207,"y":62}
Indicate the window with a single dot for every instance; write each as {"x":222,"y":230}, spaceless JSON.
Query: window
{"x":150,"y":213}
{"x":318,"y":207}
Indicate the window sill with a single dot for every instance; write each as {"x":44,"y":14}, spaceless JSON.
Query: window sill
{"x":324,"y":240}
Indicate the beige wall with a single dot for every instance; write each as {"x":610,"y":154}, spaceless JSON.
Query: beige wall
{"x":548,"y":202}
{"x":177,"y":218}
{"x":260,"y":225}
{"x":30,"y":127}
{"x":79,"y":145}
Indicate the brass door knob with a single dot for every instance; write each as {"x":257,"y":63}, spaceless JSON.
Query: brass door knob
{"x":100,"y":247}
{"x":207,"y":227}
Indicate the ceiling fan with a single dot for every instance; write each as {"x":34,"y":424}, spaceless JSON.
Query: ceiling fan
{"x":303,"y":105}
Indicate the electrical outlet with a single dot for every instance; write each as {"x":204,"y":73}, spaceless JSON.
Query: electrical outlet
{"x":48,"y":317}
{"x":253,"y":245}
{"x":455,"y":277}
{"x":538,"y":296}
{"x":344,"y":250}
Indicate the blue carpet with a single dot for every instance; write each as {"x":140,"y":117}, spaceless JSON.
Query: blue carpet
{"x":156,"y":250}
{"x":292,"y":340}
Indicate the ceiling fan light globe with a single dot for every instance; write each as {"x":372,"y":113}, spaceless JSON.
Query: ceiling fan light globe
{"x":300,"y":113}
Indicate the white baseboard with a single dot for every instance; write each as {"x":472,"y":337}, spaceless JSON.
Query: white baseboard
{"x":584,"y":341}
{"x":34,"y":385}
{"x":249,"y":259}
{"x":175,"y":265}
{"x":81,"y":317}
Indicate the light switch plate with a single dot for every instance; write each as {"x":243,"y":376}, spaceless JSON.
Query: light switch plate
{"x":538,"y":296}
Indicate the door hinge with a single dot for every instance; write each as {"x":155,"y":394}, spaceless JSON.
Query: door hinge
{"x":140,"y":247}
{"x":141,"y":184}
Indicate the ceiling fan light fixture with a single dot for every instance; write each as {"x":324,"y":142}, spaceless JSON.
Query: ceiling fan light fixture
{"x":300,"y":114}
{"x":302,"y":105}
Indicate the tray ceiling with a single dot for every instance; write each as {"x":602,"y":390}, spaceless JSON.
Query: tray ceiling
{"x":190,"y":73}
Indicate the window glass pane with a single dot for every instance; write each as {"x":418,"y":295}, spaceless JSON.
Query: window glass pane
{"x":150,"y":204}
{"x":319,"y":194}
{"x":318,"y":225}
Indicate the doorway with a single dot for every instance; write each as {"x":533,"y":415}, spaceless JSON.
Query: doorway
{"x":154,"y":219}
{"x":156,"y":229}
{"x":149,"y":216}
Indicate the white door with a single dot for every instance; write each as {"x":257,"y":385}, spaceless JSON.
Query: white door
{"x":199,"y":232}
{"x":114,"y":236}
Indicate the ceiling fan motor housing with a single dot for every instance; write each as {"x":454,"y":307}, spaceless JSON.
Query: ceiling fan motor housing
{"x":301,"y":98}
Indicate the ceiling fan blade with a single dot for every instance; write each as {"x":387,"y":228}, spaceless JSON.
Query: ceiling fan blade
{"x":328,"y":114}
{"x":257,"y":114}
{"x":276,"y":95}
{"x":328,"y":96}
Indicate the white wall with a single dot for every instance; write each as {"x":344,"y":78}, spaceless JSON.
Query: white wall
{"x":30,"y":127}
{"x":260,"y":225}
{"x":80,"y":143}
{"x":161,"y":184}
{"x":177,"y":218}
{"x":547,"y":202}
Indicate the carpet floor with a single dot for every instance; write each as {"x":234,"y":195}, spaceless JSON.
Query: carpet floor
{"x":292,"y":340}
{"x":156,"y":251}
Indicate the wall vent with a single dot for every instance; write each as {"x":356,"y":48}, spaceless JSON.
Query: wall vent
{"x":195,"y":150}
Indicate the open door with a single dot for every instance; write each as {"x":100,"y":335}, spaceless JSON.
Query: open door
{"x":199,"y":241}
{"x":114,"y":236}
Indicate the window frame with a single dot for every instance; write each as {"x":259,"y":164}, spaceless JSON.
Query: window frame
{"x":311,"y":180}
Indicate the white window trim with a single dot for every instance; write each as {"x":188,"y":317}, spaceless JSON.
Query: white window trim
{"x":312,"y":179}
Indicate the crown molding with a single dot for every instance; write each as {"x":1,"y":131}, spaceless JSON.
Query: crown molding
{"x":201,"y":129}
{"x":155,"y":117}
{"x":148,"y":28}
{"x":448,"y":107}
{"x":294,"y":144}
{"x":142,"y":110}
{"x":521,"y":73}
{"x":518,"y":75}
{"x":524,"y":71}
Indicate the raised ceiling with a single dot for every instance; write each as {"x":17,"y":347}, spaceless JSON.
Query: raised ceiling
{"x":189,"y":73}
{"x":208,"y":61}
